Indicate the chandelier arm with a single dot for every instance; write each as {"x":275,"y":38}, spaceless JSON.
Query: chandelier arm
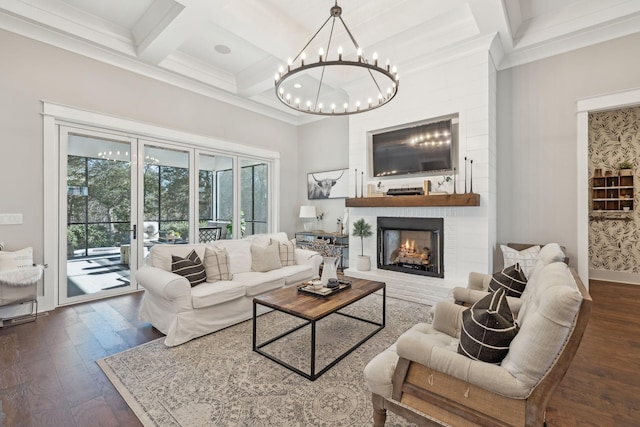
{"x":355,"y":43}
{"x":314,"y":36}
{"x":333,"y":24}
{"x":353,"y":40}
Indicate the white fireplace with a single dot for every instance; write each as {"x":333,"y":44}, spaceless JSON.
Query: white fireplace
{"x":465,"y":86}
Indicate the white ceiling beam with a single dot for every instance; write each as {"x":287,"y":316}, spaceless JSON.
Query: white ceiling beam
{"x":165,"y":26}
{"x":492,"y":16}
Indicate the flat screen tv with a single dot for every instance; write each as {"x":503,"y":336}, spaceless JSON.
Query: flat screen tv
{"x":427,"y":148}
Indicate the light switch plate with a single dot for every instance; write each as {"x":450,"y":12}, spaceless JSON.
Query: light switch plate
{"x":10,"y":219}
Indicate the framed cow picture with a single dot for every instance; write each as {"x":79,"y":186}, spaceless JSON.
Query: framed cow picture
{"x":328,"y":185}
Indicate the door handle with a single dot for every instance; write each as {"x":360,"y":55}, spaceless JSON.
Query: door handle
{"x":135,"y":231}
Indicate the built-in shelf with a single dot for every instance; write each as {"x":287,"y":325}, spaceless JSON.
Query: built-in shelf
{"x":467,"y":199}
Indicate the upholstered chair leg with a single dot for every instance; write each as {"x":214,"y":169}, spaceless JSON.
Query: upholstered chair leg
{"x":379,"y":413}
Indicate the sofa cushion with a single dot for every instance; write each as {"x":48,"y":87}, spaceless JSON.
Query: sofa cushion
{"x":287,"y":252}
{"x":216,"y":264}
{"x":295,"y":274}
{"x":487,"y":329}
{"x":526,"y":258}
{"x":209,"y":294}
{"x":190,"y":267}
{"x":265,"y":258}
{"x":160,"y":254}
{"x":511,"y":279}
{"x":239,"y":254}
{"x":256,"y":283}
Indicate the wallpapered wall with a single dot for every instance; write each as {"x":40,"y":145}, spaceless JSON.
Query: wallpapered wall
{"x":614,"y":136}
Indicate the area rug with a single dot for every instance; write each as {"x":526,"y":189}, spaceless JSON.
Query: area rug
{"x":217,"y":380}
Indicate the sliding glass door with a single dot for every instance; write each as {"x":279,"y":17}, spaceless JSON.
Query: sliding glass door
{"x":121,"y":195}
{"x":97,"y":239}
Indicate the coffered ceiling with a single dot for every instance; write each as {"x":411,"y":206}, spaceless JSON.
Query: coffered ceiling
{"x":230,"y":49}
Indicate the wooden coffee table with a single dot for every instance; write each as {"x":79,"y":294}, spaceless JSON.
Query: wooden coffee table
{"x":313,"y":308}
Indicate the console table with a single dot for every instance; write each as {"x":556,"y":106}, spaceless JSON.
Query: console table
{"x":341,"y":241}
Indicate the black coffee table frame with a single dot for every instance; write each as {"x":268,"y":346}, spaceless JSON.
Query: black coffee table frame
{"x":313,"y":375}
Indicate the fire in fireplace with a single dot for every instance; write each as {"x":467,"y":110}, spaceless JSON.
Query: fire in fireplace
{"x":411,"y":245}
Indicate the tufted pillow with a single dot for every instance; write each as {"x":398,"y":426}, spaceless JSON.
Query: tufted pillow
{"x":512,"y":279}
{"x":287,"y":252}
{"x":526,"y":258}
{"x":216,"y":264}
{"x":487,"y":329}
{"x":265,"y":258}
{"x":190,"y":267}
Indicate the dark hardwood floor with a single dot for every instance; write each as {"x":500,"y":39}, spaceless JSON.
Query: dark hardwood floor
{"x":48,"y":374}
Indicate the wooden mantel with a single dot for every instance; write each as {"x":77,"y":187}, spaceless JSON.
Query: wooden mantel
{"x":468,"y":199}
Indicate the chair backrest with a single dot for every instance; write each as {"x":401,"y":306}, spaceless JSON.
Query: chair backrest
{"x":549,"y":319}
{"x":209,"y":234}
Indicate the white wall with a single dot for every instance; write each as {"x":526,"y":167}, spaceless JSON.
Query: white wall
{"x":465,"y":86}
{"x":322,"y":145}
{"x":537,"y":154}
{"x":31,"y":71}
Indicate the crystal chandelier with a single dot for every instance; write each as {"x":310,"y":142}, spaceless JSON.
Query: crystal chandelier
{"x":384,"y":80}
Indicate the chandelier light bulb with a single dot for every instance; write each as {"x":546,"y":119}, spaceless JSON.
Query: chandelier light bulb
{"x":388,"y":64}
{"x":375,"y":58}
{"x":333,"y":108}
{"x":357,"y":105}
{"x":288,"y":98}
{"x":369,"y":102}
{"x":281,"y":91}
{"x":297,"y":102}
{"x":380,"y":98}
{"x":320,"y":53}
{"x":320,"y":106}
{"x":277,"y":76}
{"x":339,"y":53}
{"x":303,"y":56}
{"x":394,"y":70}
{"x":346,"y":107}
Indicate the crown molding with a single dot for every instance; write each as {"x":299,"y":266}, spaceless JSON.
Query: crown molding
{"x":51,"y":37}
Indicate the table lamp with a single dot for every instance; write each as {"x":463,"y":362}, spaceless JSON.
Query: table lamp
{"x":308,"y":216}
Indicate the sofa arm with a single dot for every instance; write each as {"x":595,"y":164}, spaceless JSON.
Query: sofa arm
{"x":479,"y":281}
{"x":468,"y":297}
{"x":309,"y":257}
{"x":163,"y":283}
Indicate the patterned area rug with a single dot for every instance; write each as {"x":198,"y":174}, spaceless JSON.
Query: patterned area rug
{"x":217,"y":380}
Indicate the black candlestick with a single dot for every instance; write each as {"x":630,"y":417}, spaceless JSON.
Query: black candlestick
{"x":465,"y":175}
{"x":471,"y":176}
{"x":362,"y":184}
{"x":356,"y":183}
{"x":454,"y":180}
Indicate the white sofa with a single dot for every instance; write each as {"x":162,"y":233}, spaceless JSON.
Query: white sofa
{"x":183,"y":312}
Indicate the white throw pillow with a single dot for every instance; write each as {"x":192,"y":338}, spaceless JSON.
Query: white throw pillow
{"x":526,"y":258}
{"x":21,"y":259}
{"x":265,"y":258}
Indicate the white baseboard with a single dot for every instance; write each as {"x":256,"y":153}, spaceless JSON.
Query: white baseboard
{"x":615,"y":276}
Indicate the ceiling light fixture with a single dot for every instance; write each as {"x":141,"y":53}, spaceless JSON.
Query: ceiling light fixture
{"x":386,"y":76}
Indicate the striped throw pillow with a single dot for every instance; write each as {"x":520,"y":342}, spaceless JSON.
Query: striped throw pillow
{"x":287,"y":252}
{"x":487,"y":329}
{"x":511,"y":279}
{"x":216,"y":264}
{"x":190,"y":267}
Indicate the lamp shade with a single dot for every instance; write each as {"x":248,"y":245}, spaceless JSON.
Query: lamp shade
{"x":307,"y":211}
